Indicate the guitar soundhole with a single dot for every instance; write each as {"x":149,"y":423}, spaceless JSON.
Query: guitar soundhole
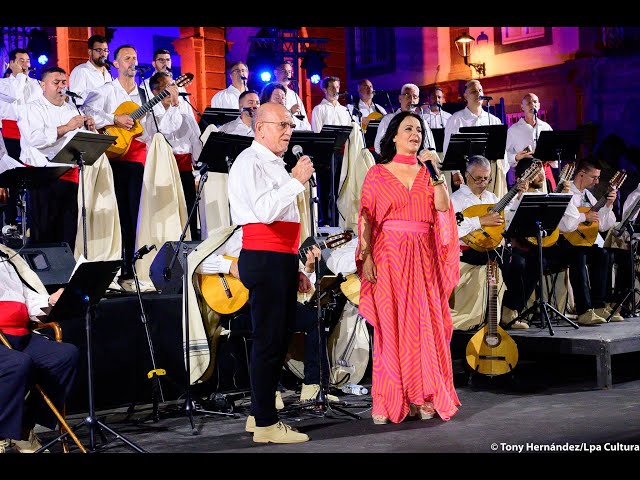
{"x":492,"y":340}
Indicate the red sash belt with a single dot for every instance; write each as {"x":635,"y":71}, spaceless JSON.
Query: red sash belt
{"x":548,"y":173}
{"x":10,"y":129}
{"x":72,"y":175}
{"x":184,"y":162}
{"x":137,"y":152}
{"x":275,"y":237}
{"x":14,"y":317}
{"x":464,"y":248}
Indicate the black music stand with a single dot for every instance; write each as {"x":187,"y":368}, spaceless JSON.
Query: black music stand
{"x":28,"y":178}
{"x":84,"y":149}
{"x":462,"y":146}
{"x":81,"y":295}
{"x":219,"y":116}
{"x":632,"y":291}
{"x":438,"y":137}
{"x":558,"y":145}
{"x":370,"y":133}
{"x":537,"y":216}
{"x":341,"y":136}
{"x":221,"y":149}
{"x":496,"y":140}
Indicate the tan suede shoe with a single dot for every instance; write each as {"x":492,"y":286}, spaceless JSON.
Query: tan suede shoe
{"x":30,"y":445}
{"x":279,"y":433}
{"x":250,"y":426}
{"x":310,"y":392}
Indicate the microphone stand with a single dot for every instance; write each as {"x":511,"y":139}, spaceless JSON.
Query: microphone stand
{"x":202,"y":119}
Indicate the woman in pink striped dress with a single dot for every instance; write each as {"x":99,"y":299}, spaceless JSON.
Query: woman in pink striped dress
{"x":408,"y":261}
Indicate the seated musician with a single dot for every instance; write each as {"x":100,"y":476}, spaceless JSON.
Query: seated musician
{"x":522,"y":276}
{"x":32,"y":358}
{"x":306,"y":319}
{"x":249,"y":103}
{"x":468,"y":305}
{"x":589,"y":290}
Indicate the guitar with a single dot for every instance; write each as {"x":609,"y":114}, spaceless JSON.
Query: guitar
{"x":351,"y":288}
{"x":565,"y":176}
{"x":587,"y":232}
{"x":135,"y":111}
{"x":491,"y":351}
{"x":487,"y":237}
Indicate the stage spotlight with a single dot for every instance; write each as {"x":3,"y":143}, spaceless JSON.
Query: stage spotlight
{"x":265,"y":76}
{"x":39,"y":45}
{"x":42,"y":59}
{"x":313,"y":63}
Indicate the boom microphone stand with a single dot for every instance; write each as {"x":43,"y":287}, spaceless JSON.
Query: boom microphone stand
{"x":630,"y":296}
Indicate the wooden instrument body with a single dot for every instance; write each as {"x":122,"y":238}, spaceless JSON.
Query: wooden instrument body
{"x":351,"y":288}
{"x":586,"y":233}
{"x":368,"y":118}
{"x":125,"y":137}
{"x":487,"y":237}
{"x":224,"y":293}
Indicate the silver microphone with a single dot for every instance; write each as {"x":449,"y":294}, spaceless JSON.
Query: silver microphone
{"x":297,"y":152}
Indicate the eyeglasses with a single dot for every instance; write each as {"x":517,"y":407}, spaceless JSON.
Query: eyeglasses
{"x":101,"y":50}
{"x":410,"y":95}
{"x":480,"y":179}
{"x":241,"y":70}
{"x":283,"y":125}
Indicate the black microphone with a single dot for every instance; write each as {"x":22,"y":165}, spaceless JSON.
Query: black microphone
{"x":535,"y":112}
{"x":243,"y":78}
{"x":142,"y":68}
{"x":71,"y":94}
{"x":31,"y":69}
{"x":108,"y":63}
{"x":168,"y":68}
{"x":344,"y":94}
{"x":184,"y":94}
{"x":297,"y":151}
{"x":143,"y":251}
{"x":432,"y":171}
{"x":482,"y":97}
{"x":204,"y":167}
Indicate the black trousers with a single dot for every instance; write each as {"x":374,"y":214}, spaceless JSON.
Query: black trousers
{"x":127,"y":181}
{"x":53,"y":213}
{"x":189,"y":187}
{"x":589,"y":290}
{"x":272,"y":280}
{"x":35,"y":359}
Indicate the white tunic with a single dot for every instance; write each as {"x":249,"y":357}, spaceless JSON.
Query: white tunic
{"x":366,"y":110}
{"x":178,"y":127}
{"x":343,"y":259}
{"x":606,"y":217}
{"x":427,"y":140}
{"x":85,"y":78}
{"x":102,"y":102}
{"x":216,"y":263}
{"x":23,"y":89}
{"x":521,"y":134}
{"x":260,"y":189}
{"x":325,"y":113}
{"x":227,"y":98}
{"x":13,"y":290}
{"x":631,"y":199}
{"x":437,"y":120}
{"x":464,"y":198}
{"x":182,"y":103}
{"x":237,"y":127}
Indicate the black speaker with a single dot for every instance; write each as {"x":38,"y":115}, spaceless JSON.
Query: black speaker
{"x":165,"y":277}
{"x":52,"y":262}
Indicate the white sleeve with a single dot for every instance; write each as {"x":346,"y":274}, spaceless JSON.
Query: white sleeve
{"x":97,"y":105}
{"x":570,"y":220}
{"x":316,"y":120}
{"x":382,"y":128}
{"x":35,"y":128}
{"x":606,"y":218}
{"x":214,"y":264}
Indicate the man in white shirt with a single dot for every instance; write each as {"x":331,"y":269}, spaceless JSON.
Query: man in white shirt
{"x":263,"y":199}
{"x":228,"y":98}
{"x":46,"y":124}
{"x":329,"y":111}
{"x":128,"y":169}
{"x":523,"y":135}
{"x":249,"y":103}
{"x":409,"y":97}
{"x":590,"y":291}
{"x":284,"y":76}
{"x":365,"y":107}
{"x":95,"y":72}
{"x":473,"y":115}
{"x":436,"y":118}
{"x":183,"y":134}
{"x":17,"y":90}
{"x":162,"y":63}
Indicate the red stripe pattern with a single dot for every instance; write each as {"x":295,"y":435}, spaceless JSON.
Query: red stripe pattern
{"x":417,"y":268}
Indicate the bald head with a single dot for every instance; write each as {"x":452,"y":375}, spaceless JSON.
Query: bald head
{"x":271,"y":112}
{"x":273,"y":127}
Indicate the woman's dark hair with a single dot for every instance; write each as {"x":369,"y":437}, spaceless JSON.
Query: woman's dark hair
{"x":267,"y":90}
{"x":387,"y":145}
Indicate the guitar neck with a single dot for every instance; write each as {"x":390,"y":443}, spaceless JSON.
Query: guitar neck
{"x":492,"y":310}
{"x":504,"y":201}
{"x":144,"y":109}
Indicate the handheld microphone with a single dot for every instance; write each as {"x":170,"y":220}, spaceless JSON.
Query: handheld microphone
{"x":432,"y":171}
{"x":71,"y":94}
{"x":297,"y":151}
{"x":143,"y":251}
{"x":184,"y":94}
{"x":483,"y":97}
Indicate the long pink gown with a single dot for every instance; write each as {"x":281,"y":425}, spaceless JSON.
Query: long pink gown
{"x":415,"y":250}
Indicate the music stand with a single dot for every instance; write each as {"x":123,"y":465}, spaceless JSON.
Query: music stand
{"x":341,"y":136}
{"x":84,"y":149}
{"x":86,"y":287}
{"x":538,"y":215}
{"x":370,"y":133}
{"x":627,"y":225}
{"x":558,"y":144}
{"x":438,"y":137}
{"x":221,"y":149}
{"x":461,"y":146}
{"x":496,"y":140}
{"x":219,"y":116}
{"x":28,"y":178}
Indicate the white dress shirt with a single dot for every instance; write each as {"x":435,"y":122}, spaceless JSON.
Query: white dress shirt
{"x":102,"y":102}
{"x":568,"y":223}
{"x":343,"y":260}
{"x":464,"y":198}
{"x":13,"y":290}
{"x":182,"y":103}
{"x":227,"y":98}
{"x":521,"y":134}
{"x":85,"y":78}
{"x":437,"y":120}
{"x":291,"y":99}
{"x":38,"y":126}
{"x":427,"y":140}
{"x":326,"y":113}
{"x":23,"y":89}
{"x":260,"y":189}
{"x":631,"y":199}
{"x":366,"y":110}
{"x":606,"y":217}
{"x":237,"y":127}
{"x":466,"y":118}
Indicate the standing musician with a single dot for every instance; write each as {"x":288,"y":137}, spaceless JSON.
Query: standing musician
{"x":329,"y":111}
{"x":589,"y":291}
{"x":284,"y":76}
{"x":277,"y":93}
{"x":228,"y":98}
{"x":249,"y":103}
{"x":45,"y":126}
{"x":162,"y":63}
{"x":263,"y":199}
{"x":95,"y":72}
{"x":365,"y":109}
{"x":437,"y":118}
